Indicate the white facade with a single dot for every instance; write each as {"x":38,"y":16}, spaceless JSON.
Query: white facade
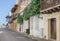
{"x":36,"y":26}
{"x":25,"y":25}
{"x":10,"y":14}
{"x":3,"y":26}
{"x":10,"y":26}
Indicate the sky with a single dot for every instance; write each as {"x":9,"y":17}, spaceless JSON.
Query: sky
{"x":5,"y":7}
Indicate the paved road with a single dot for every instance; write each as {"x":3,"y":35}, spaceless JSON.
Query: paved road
{"x":6,"y":35}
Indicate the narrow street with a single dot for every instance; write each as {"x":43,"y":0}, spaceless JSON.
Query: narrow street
{"x":6,"y":35}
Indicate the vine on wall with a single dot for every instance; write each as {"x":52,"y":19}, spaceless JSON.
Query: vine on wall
{"x":19,"y":19}
{"x":31,"y":10}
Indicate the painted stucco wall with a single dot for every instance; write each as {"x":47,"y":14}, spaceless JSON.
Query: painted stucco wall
{"x":18,"y":27}
{"x":36,"y":26}
{"x":10,"y":26}
{"x":25,"y":25}
{"x":36,"y":30}
{"x":47,"y":27}
{"x":15,"y":25}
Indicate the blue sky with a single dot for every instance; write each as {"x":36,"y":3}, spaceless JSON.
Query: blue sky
{"x":5,"y":7}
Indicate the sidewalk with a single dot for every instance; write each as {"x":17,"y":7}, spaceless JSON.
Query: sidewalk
{"x":34,"y":38}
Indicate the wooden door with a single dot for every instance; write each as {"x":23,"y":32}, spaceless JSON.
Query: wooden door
{"x":53,"y":28}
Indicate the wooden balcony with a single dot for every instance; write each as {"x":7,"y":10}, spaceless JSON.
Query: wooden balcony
{"x":11,"y":18}
{"x":8,"y":17}
{"x":14,"y":16}
{"x":10,"y":21}
{"x":14,"y":8}
{"x":46,"y":5}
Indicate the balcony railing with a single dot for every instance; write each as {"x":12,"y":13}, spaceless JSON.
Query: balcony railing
{"x":49,"y":3}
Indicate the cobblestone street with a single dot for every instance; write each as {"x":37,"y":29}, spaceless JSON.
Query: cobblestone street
{"x":6,"y":35}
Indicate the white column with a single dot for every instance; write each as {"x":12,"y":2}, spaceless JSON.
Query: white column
{"x":46,"y":28}
{"x":31,"y":25}
{"x":58,"y":29}
{"x":25,"y":25}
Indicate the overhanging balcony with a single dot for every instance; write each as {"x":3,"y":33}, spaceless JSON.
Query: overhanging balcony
{"x":46,"y":5}
{"x":14,"y":8}
{"x":10,"y":21}
{"x":11,"y":18}
{"x":14,"y":16}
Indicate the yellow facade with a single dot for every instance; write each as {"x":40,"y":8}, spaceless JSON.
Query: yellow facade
{"x":14,"y":28}
{"x":19,"y":10}
{"x":15,"y":25}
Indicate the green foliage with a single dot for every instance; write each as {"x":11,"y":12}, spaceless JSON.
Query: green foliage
{"x":36,"y":7}
{"x":27,"y":12}
{"x":19,"y":19}
{"x":32,"y":9}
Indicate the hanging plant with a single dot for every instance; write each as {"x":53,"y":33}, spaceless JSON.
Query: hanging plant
{"x":27,"y":12}
{"x":31,"y":10}
{"x":19,"y":19}
{"x":36,"y":7}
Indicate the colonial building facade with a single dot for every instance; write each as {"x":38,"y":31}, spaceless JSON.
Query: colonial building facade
{"x":25,"y":25}
{"x":51,"y":16}
{"x":45,"y":25}
{"x":12,"y":21}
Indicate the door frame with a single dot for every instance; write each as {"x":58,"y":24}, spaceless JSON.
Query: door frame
{"x":49,"y":28}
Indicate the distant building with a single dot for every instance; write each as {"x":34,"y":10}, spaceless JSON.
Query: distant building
{"x":3,"y":26}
